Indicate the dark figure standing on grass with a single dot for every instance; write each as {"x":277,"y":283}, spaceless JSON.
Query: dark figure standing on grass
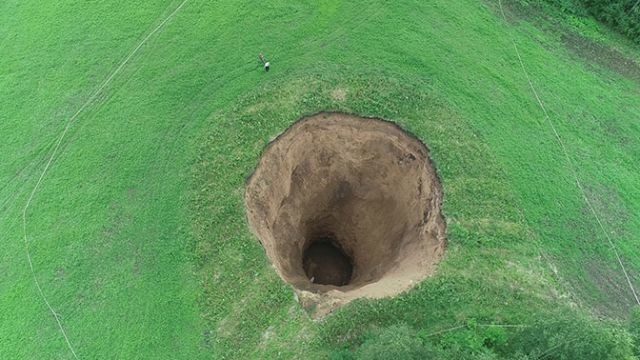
{"x":264,"y":62}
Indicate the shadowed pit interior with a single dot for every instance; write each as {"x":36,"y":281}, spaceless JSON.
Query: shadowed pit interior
{"x":348,"y":206}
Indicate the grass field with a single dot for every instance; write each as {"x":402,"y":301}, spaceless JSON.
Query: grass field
{"x":137,"y":231}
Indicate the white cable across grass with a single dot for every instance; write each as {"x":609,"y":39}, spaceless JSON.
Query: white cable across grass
{"x":571,"y":164}
{"x":55,"y":151}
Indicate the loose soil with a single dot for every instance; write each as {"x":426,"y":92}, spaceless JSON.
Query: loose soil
{"x":347,"y":207}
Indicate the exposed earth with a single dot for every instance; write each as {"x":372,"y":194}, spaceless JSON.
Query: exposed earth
{"x":347,"y":207}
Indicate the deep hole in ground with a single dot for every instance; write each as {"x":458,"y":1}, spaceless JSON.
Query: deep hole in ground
{"x":347,"y":207}
{"x":325,"y":263}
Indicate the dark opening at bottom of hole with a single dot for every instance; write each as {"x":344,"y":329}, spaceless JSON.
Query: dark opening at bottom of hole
{"x":326,"y":264}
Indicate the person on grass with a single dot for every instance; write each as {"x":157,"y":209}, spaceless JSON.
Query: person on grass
{"x":264,"y":62}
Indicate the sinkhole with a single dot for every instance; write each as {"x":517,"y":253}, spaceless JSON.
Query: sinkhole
{"x":347,"y":207}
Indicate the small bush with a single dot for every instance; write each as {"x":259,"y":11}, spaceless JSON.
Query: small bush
{"x":395,"y":342}
{"x":622,"y":15}
{"x":567,"y":337}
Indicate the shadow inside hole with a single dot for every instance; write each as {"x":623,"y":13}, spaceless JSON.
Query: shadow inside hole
{"x":326,"y":264}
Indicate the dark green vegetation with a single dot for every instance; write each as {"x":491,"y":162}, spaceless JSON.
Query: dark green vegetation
{"x":621,"y":15}
{"x":138,"y":234}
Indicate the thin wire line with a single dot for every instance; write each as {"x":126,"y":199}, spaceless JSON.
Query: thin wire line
{"x":50,"y":161}
{"x":571,"y":165}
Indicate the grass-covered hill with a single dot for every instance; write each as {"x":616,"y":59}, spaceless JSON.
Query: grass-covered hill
{"x":128,"y":130}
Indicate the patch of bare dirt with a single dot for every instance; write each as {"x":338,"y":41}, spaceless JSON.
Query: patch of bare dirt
{"x":347,"y":207}
{"x":339,"y":94}
{"x":610,"y":208}
{"x":602,"y":55}
{"x":616,"y":297}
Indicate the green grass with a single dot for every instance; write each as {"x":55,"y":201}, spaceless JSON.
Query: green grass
{"x":138,"y":233}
